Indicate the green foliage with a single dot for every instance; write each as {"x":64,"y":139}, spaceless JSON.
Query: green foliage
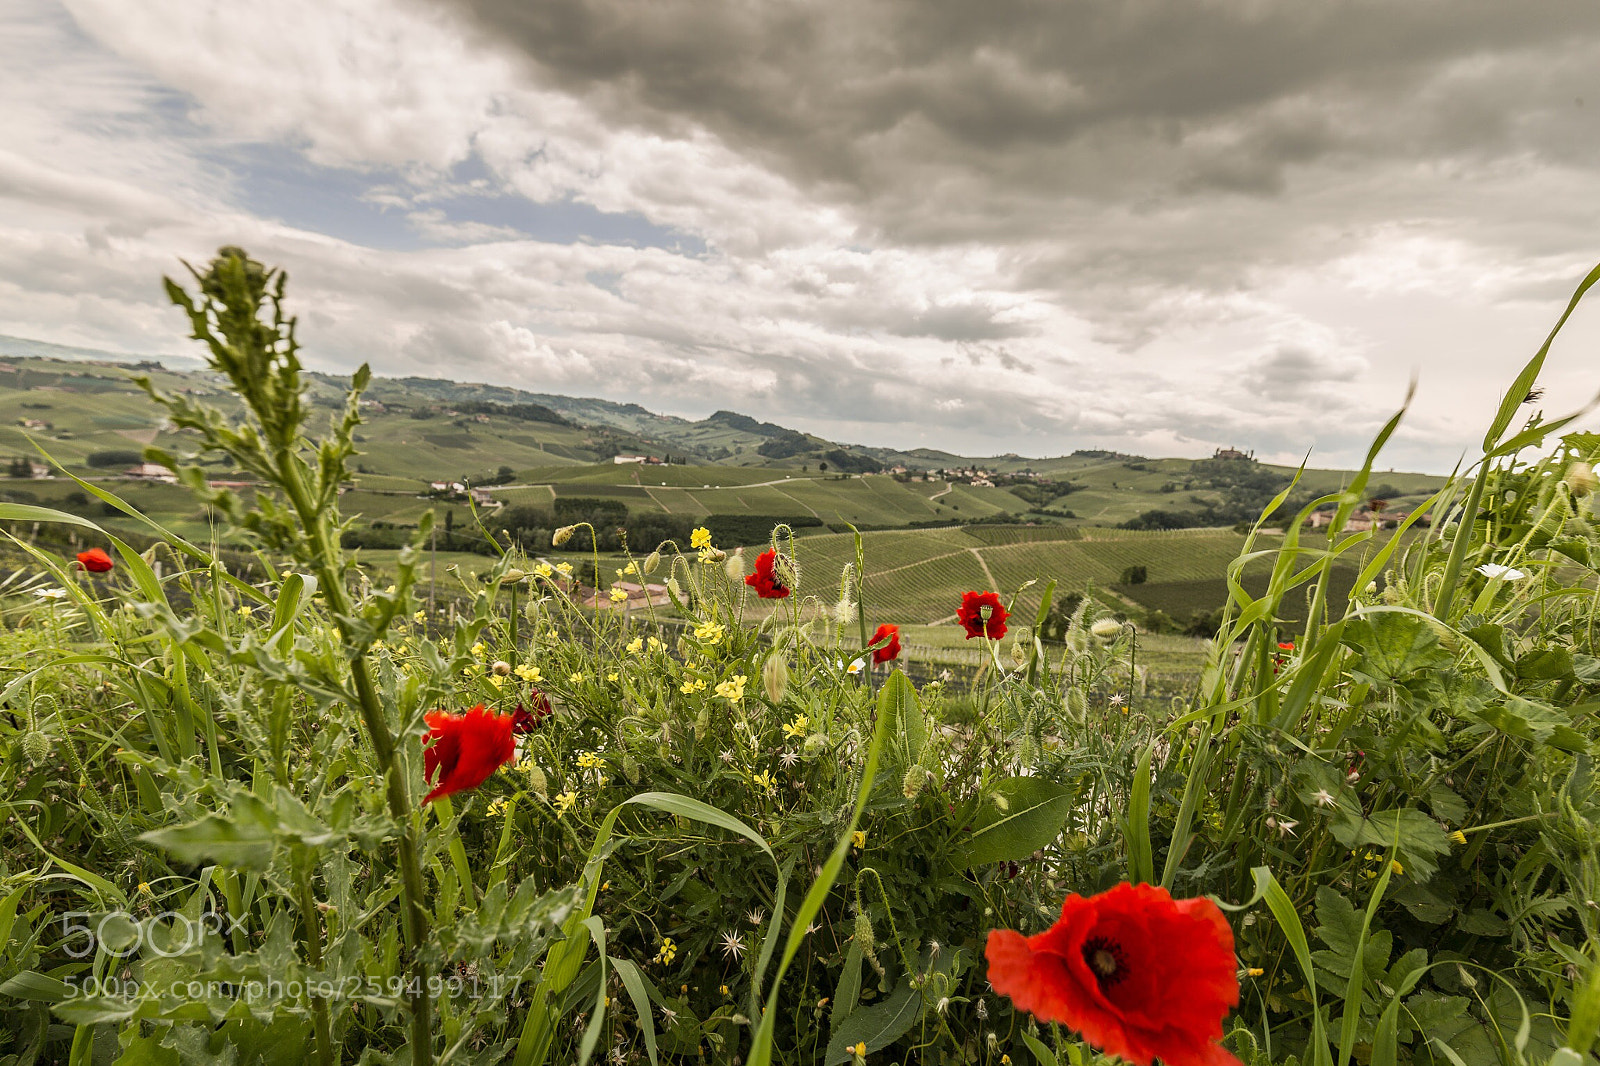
{"x":725,"y":839}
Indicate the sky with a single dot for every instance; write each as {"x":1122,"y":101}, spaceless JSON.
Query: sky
{"x":1157,"y":226}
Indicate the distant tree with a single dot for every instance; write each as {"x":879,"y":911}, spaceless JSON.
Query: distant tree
{"x":1134,"y":575}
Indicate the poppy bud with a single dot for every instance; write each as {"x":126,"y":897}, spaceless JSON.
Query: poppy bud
{"x":562,"y":535}
{"x":844,"y":611}
{"x":36,"y":746}
{"x":652,"y":562}
{"x":514,"y":575}
{"x":714,"y":555}
{"x":863,"y":933}
{"x":1077,"y":703}
{"x":1019,"y":654}
{"x":775,"y":677}
{"x":673,"y":588}
{"x":501,"y":668}
{"x":1106,"y":630}
{"x":1580,"y":479}
{"x":537,"y":783}
{"x":786,"y":570}
{"x":734,"y":567}
{"x":911,"y":784}
{"x":630,"y":768}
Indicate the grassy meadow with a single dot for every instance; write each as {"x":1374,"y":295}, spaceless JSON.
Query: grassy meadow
{"x":263,"y":802}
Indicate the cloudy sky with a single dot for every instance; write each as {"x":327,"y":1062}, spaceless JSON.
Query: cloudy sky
{"x":1022,"y":225}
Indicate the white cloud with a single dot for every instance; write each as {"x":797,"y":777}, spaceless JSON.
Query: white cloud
{"x":995,"y":250}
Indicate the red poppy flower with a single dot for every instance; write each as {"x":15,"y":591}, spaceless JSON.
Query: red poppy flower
{"x":525,"y":720}
{"x":464,"y":749}
{"x":1139,"y":974}
{"x":765,"y":580}
{"x":890,"y":650}
{"x":970,"y":615}
{"x":95,"y":560}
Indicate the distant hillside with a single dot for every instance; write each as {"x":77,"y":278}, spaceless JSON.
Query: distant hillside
{"x":532,"y":449}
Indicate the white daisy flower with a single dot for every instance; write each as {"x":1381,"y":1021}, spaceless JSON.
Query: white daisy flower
{"x":1505,"y":573}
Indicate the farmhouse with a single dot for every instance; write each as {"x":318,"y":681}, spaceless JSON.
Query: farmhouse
{"x":150,"y":472}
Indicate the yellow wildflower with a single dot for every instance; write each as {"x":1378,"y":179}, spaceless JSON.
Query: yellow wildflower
{"x":691,"y":686}
{"x":478,"y":649}
{"x":667,"y":951}
{"x":565,"y":568}
{"x":497,"y":681}
{"x":1255,"y":971}
{"x":613,"y":676}
{"x":732,"y":689}
{"x":588,"y":760}
{"x":564,"y":801}
{"x":575,"y":679}
{"x":631,"y":568}
{"x":1394,"y":865}
{"x":635,"y":646}
{"x":244,"y":610}
{"x":420,"y":616}
{"x":530,"y":674}
{"x":765,"y":781}
{"x":499,"y":806}
{"x":796,"y":728}
{"x":1459,"y":837}
{"x":543,"y":570}
{"x":655,"y":644}
{"x":710,"y":632}
{"x":700,"y":538}
{"x":859,"y":838}
{"x":618,"y":596}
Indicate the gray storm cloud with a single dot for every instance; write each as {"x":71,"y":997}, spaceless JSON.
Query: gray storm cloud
{"x":1015,"y":226}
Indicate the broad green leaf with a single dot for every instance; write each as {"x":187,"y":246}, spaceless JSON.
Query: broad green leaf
{"x":877,"y":1026}
{"x":1020,"y":815}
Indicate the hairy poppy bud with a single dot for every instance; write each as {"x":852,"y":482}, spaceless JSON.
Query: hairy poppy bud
{"x":36,"y":746}
{"x":562,"y":535}
{"x":1019,"y":654}
{"x":537,"y":783}
{"x":775,"y":677}
{"x":863,"y":933}
{"x":1581,"y":479}
{"x":652,"y":562}
{"x":844,"y":611}
{"x":786,"y":570}
{"x":673,"y":589}
{"x":911,"y":784}
{"x":501,"y":668}
{"x":514,"y":575}
{"x":1106,"y":630}
{"x":735,"y":566}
